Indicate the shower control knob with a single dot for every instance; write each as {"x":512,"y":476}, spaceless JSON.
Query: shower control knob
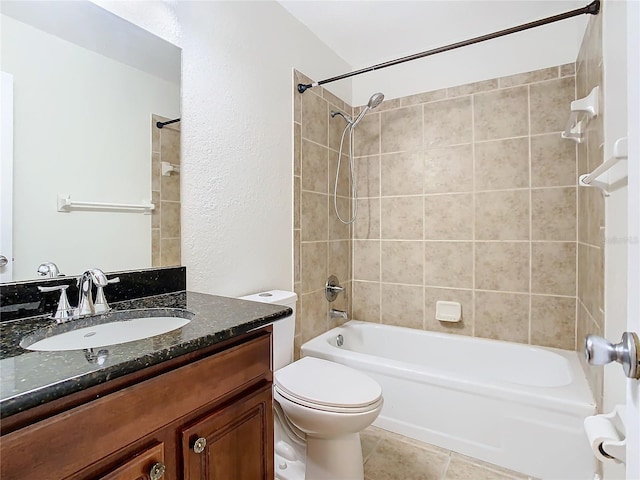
{"x":199,"y":445}
{"x":3,"y":261}
{"x":600,"y":351}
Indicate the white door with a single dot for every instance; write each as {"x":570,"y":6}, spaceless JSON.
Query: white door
{"x":6,"y":177}
{"x":633,"y":285}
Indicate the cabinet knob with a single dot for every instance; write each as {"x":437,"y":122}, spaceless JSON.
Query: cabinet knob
{"x":199,"y":445}
{"x":157,"y":471}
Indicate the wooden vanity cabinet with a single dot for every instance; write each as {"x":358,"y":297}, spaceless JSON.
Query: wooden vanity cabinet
{"x":207,"y":415}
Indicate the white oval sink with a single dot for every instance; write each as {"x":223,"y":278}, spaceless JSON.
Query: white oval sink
{"x":111,"y":333}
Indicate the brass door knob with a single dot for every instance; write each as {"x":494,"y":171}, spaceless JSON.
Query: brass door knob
{"x":157,"y":471}
{"x":199,"y":445}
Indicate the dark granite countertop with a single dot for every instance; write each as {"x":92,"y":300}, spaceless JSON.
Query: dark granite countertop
{"x":31,"y":378}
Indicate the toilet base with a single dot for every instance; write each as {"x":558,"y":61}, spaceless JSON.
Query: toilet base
{"x":334,"y":458}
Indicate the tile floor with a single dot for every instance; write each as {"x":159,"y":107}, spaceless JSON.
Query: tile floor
{"x":388,"y":456}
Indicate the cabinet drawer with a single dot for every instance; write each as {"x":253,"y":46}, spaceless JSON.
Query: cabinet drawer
{"x":57,"y":447}
{"x":146,"y":465}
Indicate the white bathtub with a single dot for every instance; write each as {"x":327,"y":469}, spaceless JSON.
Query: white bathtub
{"x":517,"y":406}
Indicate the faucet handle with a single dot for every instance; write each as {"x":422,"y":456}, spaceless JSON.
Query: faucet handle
{"x":64,"y":311}
{"x":101,"y":304}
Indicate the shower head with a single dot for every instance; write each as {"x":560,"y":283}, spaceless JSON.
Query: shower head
{"x":374,"y":101}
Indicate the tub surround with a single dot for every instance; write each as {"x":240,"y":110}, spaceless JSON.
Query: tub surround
{"x":34,"y":378}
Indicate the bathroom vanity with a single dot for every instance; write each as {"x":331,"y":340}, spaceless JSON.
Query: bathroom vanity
{"x":194,"y":403}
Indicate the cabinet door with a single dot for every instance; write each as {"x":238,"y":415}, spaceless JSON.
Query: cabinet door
{"x":148,"y":465}
{"x":233,"y":443}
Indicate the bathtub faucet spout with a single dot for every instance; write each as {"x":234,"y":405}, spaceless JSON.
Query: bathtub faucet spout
{"x":333,"y":313}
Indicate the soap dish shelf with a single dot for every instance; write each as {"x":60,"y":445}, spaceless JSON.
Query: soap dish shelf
{"x":587,"y":108}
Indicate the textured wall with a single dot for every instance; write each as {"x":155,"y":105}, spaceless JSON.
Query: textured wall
{"x":237,"y":149}
{"x":468,"y":194}
{"x":591,"y":205}
{"x":322,"y":245}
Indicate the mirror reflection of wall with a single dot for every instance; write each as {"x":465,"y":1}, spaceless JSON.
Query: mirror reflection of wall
{"x":86,"y":87}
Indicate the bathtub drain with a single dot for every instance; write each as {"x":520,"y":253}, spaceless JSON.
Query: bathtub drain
{"x":339,"y":340}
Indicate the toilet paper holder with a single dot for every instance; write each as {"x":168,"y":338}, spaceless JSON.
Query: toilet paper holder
{"x":607,"y":435}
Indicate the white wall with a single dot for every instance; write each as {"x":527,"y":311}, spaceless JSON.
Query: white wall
{"x":547,"y":46}
{"x":237,"y":169}
{"x":82,"y":126}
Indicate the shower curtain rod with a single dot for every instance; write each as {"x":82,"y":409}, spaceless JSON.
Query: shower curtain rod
{"x":162,"y":124}
{"x":593,"y":9}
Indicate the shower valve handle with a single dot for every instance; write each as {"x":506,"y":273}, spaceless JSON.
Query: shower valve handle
{"x":600,"y":351}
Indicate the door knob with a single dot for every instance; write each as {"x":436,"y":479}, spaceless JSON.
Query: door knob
{"x":600,"y":351}
{"x":3,"y":260}
{"x":157,"y":471}
{"x":199,"y":445}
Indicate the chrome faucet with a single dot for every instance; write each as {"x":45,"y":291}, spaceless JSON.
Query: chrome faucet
{"x":333,"y":313}
{"x":86,"y":306}
{"x":48,"y":269}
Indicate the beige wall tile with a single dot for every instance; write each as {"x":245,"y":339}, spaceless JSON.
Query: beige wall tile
{"x":367,"y":135}
{"x":337,"y":125}
{"x":501,"y":114}
{"x":366,"y":260}
{"x":553,"y":214}
{"x":170,"y":252}
{"x":297,"y":200}
{"x":401,"y":218}
{"x":340,"y":260}
{"x":313,"y":266}
{"x":155,"y":247}
{"x":344,"y":178}
{"x":313,"y":310}
{"x":502,"y":316}
{"x":470,"y":88}
{"x":595,"y":206}
{"x":424,"y":97}
{"x":366,"y":301}
{"x":447,"y":122}
{"x":402,"y":173}
{"x":337,"y":229}
{"x":402,"y":262}
{"x":448,"y":169}
{"x":448,"y":264}
{"x":315,"y":117}
{"x":297,"y":148}
{"x":502,"y":215}
{"x":553,"y":268}
{"x":315,"y":167}
{"x":394,"y":459}
{"x":155,"y":214}
{"x":170,"y":187}
{"x":550,"y":102}
{"x":155,"y":133}
{"x":553,"y":322}
{"x":401,"y":129}
{"x":553,"y":161}
{"x":389,"y":104}
{"x":529,"y":77}
{"x":367,"y":224}
{"x":368,"y":176}
{"x":448,"y":217}
{"x":156,"y":172}
{"x":567,"y":69}
{"x":502,"y":164}
{"x":583,"y":215}
{"x":502,"y":266}
{"x":170,"y":145}
{"x":170,"y":219}
{"x":402,"y":305}
{"x":463,"y":297}
{"x":333,"y":100}
{"x":314,"y":216}
{"x":296,"y":256}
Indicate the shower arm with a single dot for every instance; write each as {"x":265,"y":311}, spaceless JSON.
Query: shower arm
{"x":592,"y":9}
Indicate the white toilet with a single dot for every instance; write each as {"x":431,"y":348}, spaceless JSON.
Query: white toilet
{"x":319,"y":407}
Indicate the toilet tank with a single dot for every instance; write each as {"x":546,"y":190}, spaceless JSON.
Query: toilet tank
{"x":283,"y":329}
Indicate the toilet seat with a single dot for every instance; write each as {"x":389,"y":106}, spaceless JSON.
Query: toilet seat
{"x":327,"y":386}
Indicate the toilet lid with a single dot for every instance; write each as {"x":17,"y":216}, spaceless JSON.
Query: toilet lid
{"x":327,"y":383}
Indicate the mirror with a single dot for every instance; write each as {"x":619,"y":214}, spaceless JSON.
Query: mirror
{"x":87,"y":88}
